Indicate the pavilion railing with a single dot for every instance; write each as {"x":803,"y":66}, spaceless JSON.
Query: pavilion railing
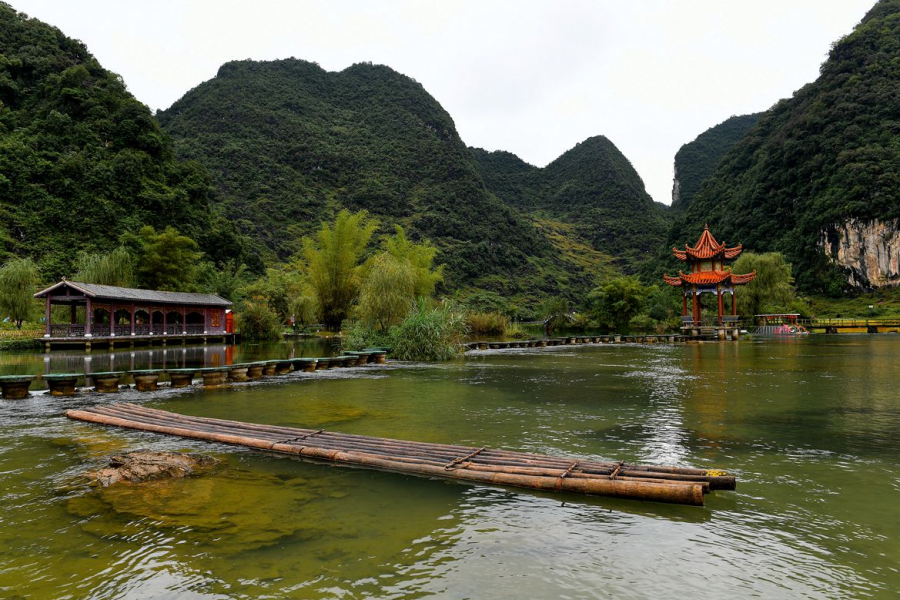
{"x":76,"y":330}
{"x":98,"y":330}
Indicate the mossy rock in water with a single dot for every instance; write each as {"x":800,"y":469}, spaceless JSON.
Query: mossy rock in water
{"x":148,"y":465}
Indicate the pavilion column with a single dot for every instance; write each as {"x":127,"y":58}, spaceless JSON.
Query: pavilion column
{"x":183,"y":321}
{"x":47,"y":316}
{"x":696,"y":307}
{"x":88,"y":317}
{"x":112,"y":318}
{"x":721,"y":302}
{"x":165,"y":313}
{"x":132,"y":319}
{"x":205,"y":319}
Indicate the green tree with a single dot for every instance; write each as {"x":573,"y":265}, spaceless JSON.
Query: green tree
{"x":388,"y":292}
{"x":420,"y":258}
{"x":772,"y":290}
{"x":228,"y":282}
{"x":19,"y":280}
{"x":614,"y":303}
{"x":115,"y":268}
{"x":282,"y":289}
{"x":163,"y":261}
{"x":332,"y":262}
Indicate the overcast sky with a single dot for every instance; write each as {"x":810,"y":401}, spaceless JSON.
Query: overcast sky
{"x":532,"y":77}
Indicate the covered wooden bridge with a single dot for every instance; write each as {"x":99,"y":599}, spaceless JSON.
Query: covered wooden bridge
{"x":110,"y":315}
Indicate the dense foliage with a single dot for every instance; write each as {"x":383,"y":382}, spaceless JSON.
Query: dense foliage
{"x":697,"y":160}
{"x":290,"y":144}
{"x":19,"y":279}
{"x":81,"y":160}
{"x":772,"y":291}
{"x":594,"y":187}
{"x":829,"y":153}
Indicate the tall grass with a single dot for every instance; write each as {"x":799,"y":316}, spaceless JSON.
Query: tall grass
{"x":485,"y":323}
{"x":430,"y":334}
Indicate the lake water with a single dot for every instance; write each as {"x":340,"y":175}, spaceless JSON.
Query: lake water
{"x":810,"y":427}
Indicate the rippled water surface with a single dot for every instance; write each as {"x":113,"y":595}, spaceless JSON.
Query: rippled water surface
{"x":810,"y":427}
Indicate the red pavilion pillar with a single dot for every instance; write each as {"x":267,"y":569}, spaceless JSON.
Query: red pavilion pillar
{"x":696,"y":307}
{"x":721,"y":302}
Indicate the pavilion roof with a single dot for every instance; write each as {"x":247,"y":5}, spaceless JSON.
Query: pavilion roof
{"x":95,"y":291}
{"x":709,"y":278}
{"x":707,"y":247}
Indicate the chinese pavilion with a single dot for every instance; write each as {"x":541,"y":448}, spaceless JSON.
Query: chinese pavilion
{"x":708,"y":275}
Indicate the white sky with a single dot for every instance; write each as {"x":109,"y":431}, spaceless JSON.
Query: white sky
{"x":532,"y":77}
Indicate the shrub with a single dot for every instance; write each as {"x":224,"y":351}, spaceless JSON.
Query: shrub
{"x":429,"y":334}
{"x":258,"y":322}
{"x":359,"y":336}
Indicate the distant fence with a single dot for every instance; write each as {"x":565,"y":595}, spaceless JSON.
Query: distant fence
{"x":18,"y":334}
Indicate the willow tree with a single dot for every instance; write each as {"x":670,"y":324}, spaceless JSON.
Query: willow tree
{"x":420,"y":258}
{"x":19,"y":280}
{"x":115,"y":268}
{"x":772,"y":291}
{"x":388,"y":292}
{"x":333,"y":264}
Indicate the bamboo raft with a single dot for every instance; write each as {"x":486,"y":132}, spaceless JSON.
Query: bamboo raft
{"x":479,"y":465}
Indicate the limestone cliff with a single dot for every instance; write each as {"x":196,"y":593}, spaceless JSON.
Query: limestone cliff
{"x":868,"y":251}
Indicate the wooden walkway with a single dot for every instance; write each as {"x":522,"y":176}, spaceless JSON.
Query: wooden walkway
{"x":479,"y":465}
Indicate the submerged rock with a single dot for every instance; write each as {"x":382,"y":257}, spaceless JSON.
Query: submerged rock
{"x":147,"y":465}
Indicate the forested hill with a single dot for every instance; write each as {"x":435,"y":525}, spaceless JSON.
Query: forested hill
{"x":288,"y":144}
{"x":697,"y":160}
{"x":82,"y":161}
{"x":828,"y":154}
{"x":594,"y":188}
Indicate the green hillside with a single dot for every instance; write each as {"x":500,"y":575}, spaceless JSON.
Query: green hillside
{"x":592,"y":187}
{"x":82,"y":161}
{"x":697,"y":160}
{"x":288,"y":144}
{"x":828,"y":154}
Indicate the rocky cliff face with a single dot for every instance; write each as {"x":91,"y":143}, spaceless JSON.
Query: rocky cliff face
{"x":676,"y":189}
{"x":869,"y":251}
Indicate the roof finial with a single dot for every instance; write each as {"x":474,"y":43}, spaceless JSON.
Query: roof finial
{"x":706,"y":226}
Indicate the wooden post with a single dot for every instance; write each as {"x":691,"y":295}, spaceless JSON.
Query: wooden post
{"x":165,"y":313}
{"x":132,"y":318}
{"x":88,"y":317}
{"x":47,"y":316}
{"x":112,"y":318}
{"x":183,"y":321}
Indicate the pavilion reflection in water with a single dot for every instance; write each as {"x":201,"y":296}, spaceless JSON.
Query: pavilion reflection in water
{"x":209,"y":355}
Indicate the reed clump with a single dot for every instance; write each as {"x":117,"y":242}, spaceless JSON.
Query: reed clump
{"x":487,"y":323}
